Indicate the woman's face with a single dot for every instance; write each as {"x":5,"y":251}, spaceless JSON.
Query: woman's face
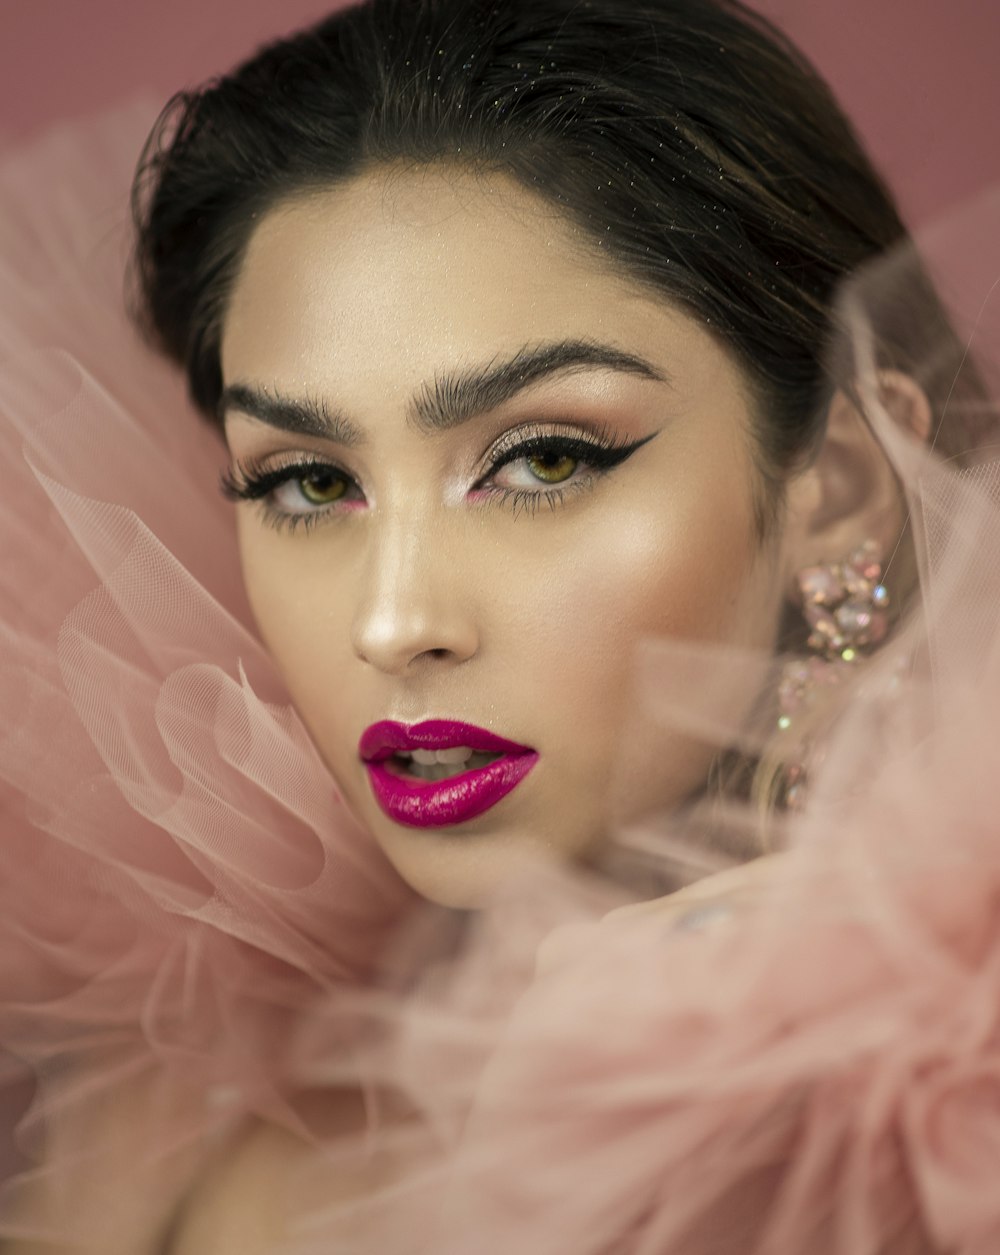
{"x":484,"y":468}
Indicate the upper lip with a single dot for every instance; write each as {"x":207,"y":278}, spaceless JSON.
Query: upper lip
{"x":382,"y":740}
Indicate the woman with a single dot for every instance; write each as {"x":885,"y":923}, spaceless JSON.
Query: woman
{"x":525,"y":353}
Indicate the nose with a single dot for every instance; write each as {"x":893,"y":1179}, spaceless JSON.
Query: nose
{"x":414,"y":606}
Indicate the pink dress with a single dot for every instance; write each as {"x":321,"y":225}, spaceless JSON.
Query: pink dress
{"x":185,"y":901}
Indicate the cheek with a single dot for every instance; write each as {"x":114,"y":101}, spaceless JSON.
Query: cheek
{"x":299,"y":607}
{"x":686,"y":565}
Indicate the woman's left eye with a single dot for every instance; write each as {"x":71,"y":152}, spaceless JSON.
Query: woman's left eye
{"x":548,"y":467}
{"x":542,"y":465}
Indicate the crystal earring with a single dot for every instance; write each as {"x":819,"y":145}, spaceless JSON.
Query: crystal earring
{"x":846,"y":606}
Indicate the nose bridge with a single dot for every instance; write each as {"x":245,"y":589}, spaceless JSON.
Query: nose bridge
{"x":412,"y":601}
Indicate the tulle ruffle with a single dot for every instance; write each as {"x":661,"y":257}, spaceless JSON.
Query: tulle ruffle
{"x":181,"y":878}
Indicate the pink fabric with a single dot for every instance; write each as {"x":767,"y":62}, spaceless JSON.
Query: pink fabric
{"x":181,"y":879}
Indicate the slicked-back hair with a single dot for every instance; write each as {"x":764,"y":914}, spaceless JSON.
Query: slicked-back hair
{"x":694,"y":146}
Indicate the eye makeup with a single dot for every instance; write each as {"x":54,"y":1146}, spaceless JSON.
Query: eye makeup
{"x":527,"y":467}
{"x":296,"y":493}
{"x":602,"y":448}
{"x":540,"y":467}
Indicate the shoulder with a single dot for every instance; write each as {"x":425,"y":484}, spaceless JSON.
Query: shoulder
{"x":109,"y":1170}
{"x":269,"y":1180}
{"x":245,"y":1199}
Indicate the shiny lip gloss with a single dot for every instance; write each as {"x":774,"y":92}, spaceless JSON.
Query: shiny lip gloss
{"x":441,"y":803}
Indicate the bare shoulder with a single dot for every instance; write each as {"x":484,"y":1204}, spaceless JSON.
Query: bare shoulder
{"x":246,"y":1195}
{"x":105,"y":1180}
{"x":271,"y":1181}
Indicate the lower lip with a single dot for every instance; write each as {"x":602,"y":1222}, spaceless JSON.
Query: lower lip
{"x":443,"y":803}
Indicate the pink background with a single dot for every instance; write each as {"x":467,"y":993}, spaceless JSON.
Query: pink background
{"x":919,"y":77}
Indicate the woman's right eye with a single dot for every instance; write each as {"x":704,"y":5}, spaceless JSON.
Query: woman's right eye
{"x":294,"y":493}
{"x":320,"y":486}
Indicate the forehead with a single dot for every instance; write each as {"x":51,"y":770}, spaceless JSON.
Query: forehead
{"x":437,"y":247}
{"x":375,"y":285}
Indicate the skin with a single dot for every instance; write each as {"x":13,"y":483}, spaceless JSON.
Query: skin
{"x":423,"y":596}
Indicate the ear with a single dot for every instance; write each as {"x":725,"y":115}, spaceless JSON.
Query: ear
{"x":849,"y":493}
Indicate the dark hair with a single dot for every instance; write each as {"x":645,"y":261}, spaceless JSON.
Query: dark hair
{"x":691,"y":141}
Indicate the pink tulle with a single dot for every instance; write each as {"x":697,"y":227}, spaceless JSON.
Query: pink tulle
{"x":181,"y":879}
{"x":193,"y":926}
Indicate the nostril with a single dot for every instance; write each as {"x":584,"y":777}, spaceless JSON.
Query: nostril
{"x":395,"y":638}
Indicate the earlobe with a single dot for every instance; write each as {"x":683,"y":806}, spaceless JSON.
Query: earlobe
{"x":850,"y":492}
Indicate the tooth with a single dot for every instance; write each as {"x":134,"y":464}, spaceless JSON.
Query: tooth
{"x":426,"y":758}
{"x":460,"y":754}
{"x":435,"y":772}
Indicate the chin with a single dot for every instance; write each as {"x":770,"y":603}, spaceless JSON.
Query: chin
{"x":465,"y":869}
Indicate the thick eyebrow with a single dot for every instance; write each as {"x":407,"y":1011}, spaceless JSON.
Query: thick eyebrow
{"x":455,"y":398}
{"x":303,"y":416}
{"x":450,"y":399}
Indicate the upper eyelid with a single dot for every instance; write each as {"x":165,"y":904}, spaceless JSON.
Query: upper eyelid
{"x":506,"y":443}
{"x":509,"y":446}
{"x":606,"y":451}
{"x":506,"y":448}
{"x":290,"y":462}
{"x":255,"y":473}
{"x":294,"y":456}
{"x":522,"y":452}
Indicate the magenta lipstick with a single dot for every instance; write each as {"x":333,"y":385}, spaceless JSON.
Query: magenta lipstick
{"x":440,"y":773}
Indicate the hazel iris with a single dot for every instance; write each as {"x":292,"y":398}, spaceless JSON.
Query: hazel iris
{"x":552,"y":468}
{"x":322,"y":487}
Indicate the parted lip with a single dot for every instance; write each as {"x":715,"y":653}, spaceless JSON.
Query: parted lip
{"x":381,"y":740}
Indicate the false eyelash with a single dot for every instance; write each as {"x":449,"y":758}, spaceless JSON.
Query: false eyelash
{"x":524,"y":501}
{"x":282,"y":522}
{"x":250,"y":480}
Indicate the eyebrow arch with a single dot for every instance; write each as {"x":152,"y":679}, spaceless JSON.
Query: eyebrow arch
{"x":455,"y":398}
{"x":303,"y":416}
{"x":450,"y":399}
